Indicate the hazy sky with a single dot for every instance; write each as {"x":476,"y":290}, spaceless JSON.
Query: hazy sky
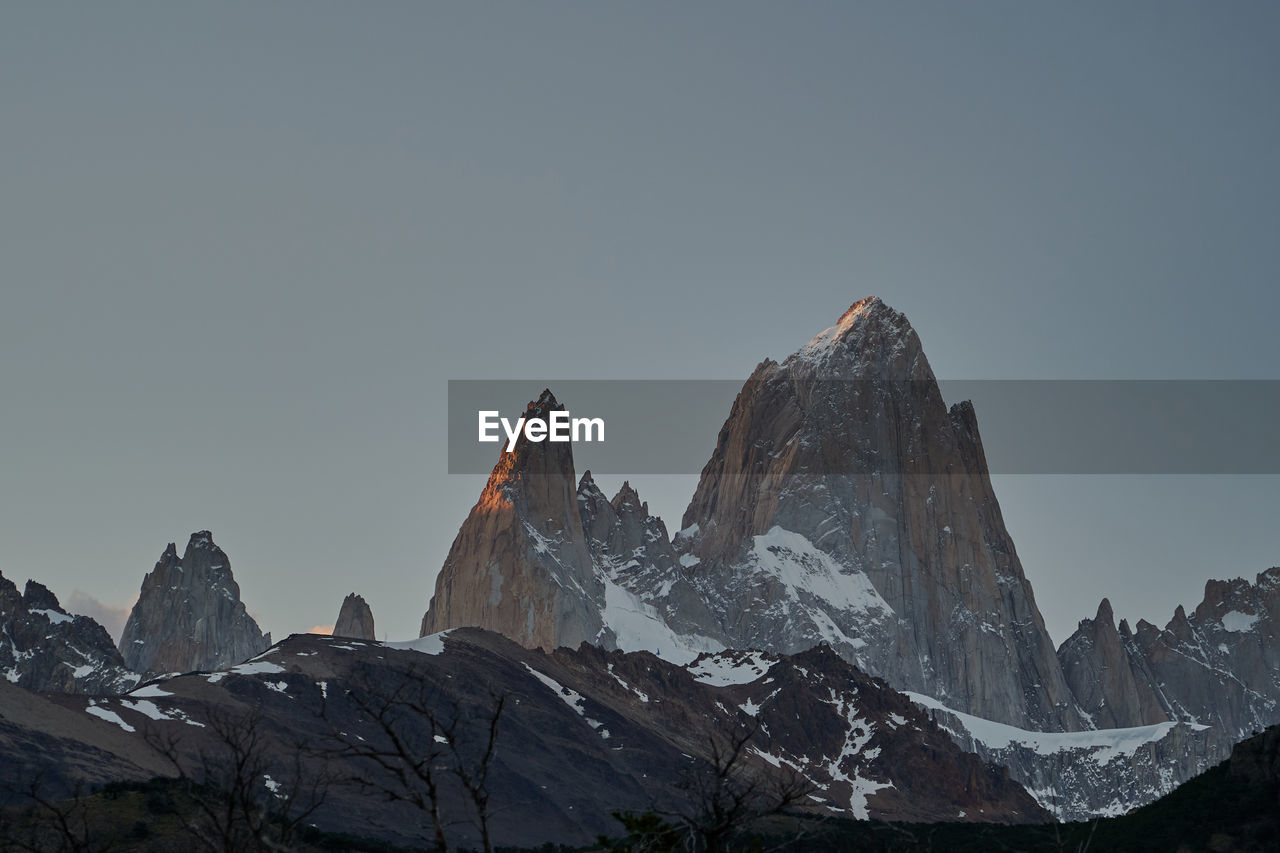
{"x":243,"y":247}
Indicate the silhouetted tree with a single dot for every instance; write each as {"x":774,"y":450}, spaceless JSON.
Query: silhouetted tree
{"x":240,"y":788}
{"x":424,"y":745}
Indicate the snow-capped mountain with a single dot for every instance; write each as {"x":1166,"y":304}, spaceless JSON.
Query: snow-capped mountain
{"x":189,"y":614}
{"x":846,"y":504}
{"x":43,"y":647}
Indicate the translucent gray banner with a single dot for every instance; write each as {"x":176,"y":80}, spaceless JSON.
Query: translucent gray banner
{"x":1221,"y":427}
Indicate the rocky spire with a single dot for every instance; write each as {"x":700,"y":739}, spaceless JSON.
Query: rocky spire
{"x":355,"y":619}
{"x":1110,"y":684}
{"x":189,"y":615}
{"x":520,"y":564}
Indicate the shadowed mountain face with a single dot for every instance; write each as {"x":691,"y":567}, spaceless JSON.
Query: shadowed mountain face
{"x":581,"y":733}
{"x":189,"y":615}
{"x":43,"y":647}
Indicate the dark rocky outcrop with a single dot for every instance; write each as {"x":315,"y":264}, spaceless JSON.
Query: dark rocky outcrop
{"x":355,"y":619}
{"x":189,"y":615}
{"x":43,"y":647}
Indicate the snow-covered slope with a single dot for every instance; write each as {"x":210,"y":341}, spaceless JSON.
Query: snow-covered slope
{"x":1078,"y":775}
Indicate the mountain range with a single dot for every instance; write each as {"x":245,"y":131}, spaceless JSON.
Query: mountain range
{"x":843,"y":562}
{"x":847,"y":504}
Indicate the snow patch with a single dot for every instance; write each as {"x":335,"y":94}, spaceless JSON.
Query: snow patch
{"x":54,"y":617}
{"x":638,"y":627}
{"x":110,"y":716}
{"x":1106,"y":744}
{"x":432,"y":644}
{"x":570,"y":697}
{"x":810,"y":573}
{"x":150,"y":691}
{"x":732,"y":667}
{"x":256,"y":667}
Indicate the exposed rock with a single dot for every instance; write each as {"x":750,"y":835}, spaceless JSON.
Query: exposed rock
{"x":1218,"y":666}
{"x":846,"y":503}
{"x":43,"y":647}
{"x":1111,"y":683}
{"x":520,"y":564}
{"x":639,"y":568}
{"x":189,"y":615}
{"x":355,"y":619}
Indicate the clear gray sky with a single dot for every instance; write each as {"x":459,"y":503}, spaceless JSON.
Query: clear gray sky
{"x":243,"y":247}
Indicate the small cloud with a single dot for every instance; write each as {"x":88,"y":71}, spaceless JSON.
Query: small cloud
{"x":320,"y":629}
{"x":109,"y":616}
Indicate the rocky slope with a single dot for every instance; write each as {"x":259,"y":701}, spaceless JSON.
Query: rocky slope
{"x":189,"y":615}
{"x":43,"y":647}
{"x":355,"y":619}
{"x":581,"y":733}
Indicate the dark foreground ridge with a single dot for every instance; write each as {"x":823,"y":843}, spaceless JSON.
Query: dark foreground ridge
{"x":320,"y":722}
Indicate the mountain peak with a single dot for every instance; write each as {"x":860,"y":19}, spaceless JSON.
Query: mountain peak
{"x":627,"y":501}
{"x":37,"y":596}
{"x":201,"y":539}
{"x":1105,"y":613}
{"x":869,"y":328}
{"x":189,"y":615}
{"x":546,"y":402}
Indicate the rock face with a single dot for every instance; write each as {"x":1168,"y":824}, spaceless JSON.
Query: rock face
{"x":189,"y":615}
{"x":549,"y":565}
{"x":1111,"y":682}
{"x":355,"y":619}
{"x":1218,"y":666}
{"x":45,"y":648}
{"x":520,"y":564}
{"x":845,"y":503}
